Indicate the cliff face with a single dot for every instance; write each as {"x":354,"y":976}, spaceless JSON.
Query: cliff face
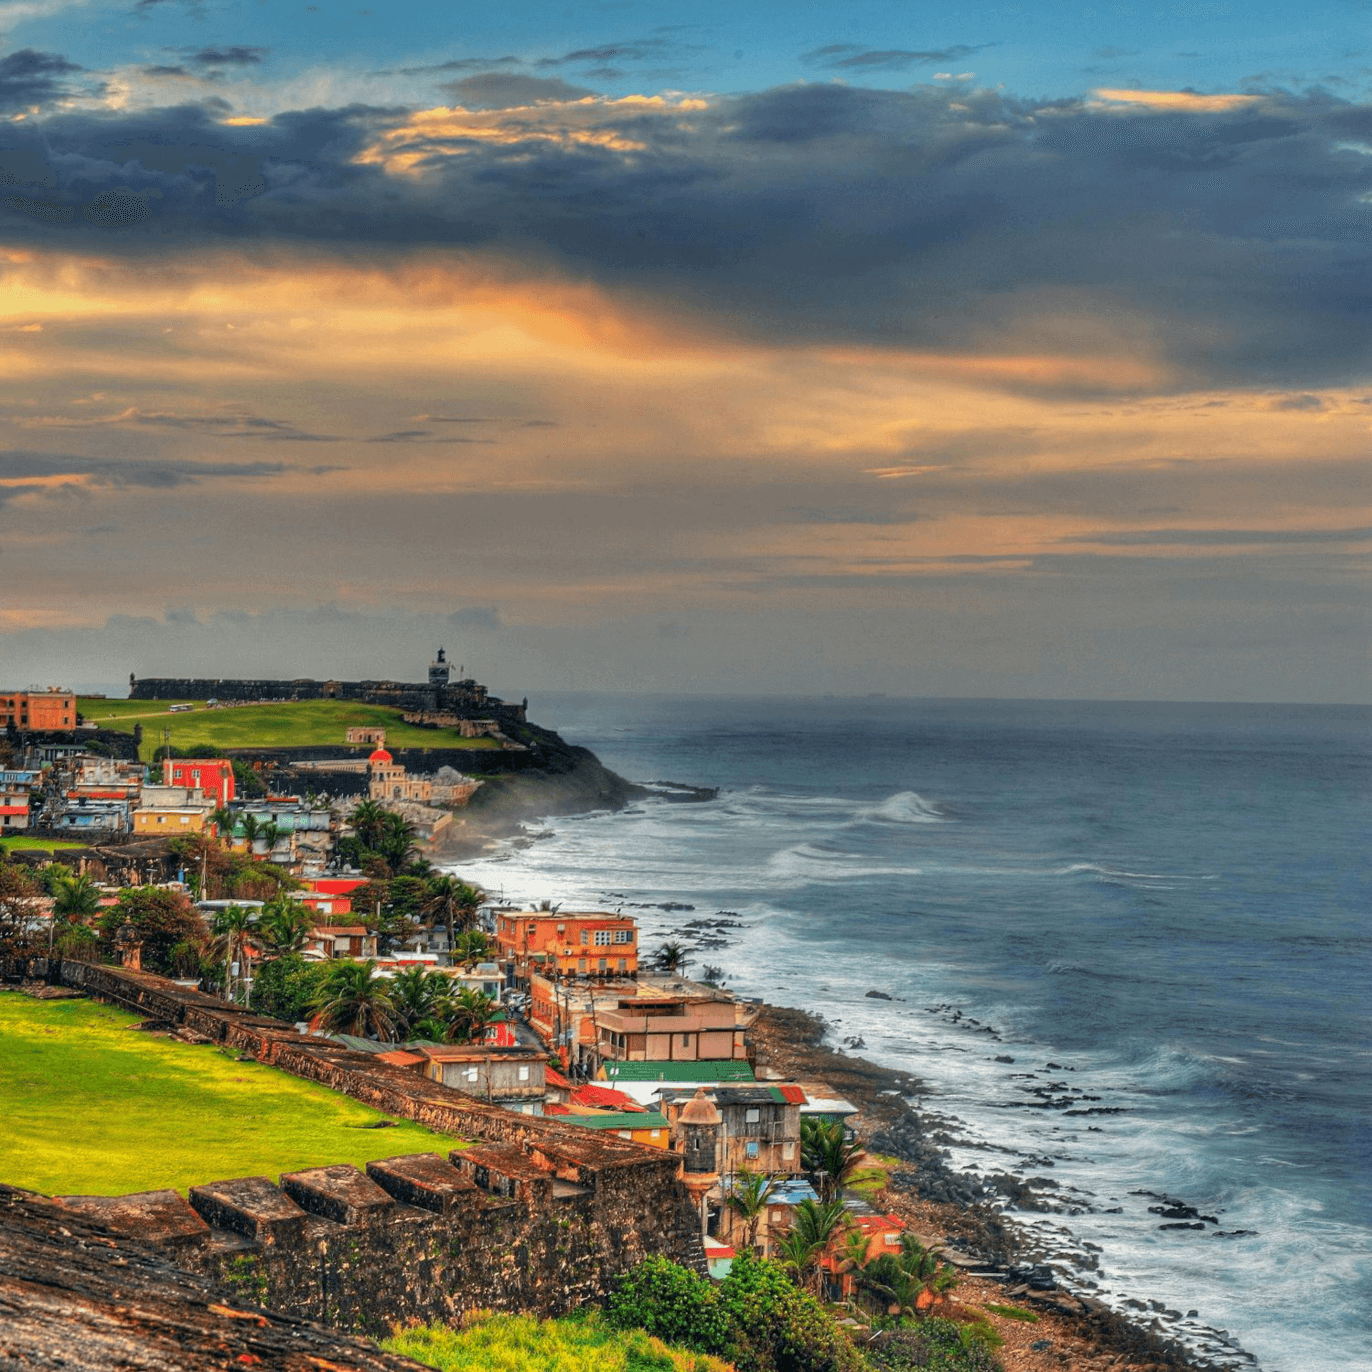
{"x":561,"y":779}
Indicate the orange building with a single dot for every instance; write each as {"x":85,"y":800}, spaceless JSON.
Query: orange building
{"x":212,"y":775}
{"x":50,"y":709}
{"x":588,"y":944}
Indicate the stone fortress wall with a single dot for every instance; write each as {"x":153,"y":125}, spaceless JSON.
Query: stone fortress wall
{"x":535,"y":1215}
{"x":460,"y":699}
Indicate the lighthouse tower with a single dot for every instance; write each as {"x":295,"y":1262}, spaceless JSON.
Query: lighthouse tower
{"x":439,"y":669}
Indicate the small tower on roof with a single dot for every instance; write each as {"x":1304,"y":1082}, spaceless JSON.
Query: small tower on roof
{"x":696,"y":1138}
{"x":439,"y":669}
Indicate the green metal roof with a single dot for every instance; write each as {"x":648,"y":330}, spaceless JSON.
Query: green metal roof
{"x":627,"y":1120}
{"x":717,"y":1070}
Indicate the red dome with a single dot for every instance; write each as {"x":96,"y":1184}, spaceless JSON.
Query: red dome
{"x":381,"y":755}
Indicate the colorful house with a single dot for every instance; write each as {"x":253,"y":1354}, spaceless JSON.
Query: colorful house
{"x":648,"y":1128}
{"x":213,"y":776}
{"x":591,"y":944}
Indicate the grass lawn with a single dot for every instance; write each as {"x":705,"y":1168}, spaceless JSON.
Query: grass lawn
{"x":521,"y":1343}
{"x":295,"y":724}
{"x":94,"y":1107}
{"x":15,"y":844}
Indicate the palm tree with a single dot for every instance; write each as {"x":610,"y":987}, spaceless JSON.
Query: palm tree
{"x":828,"y":1156}
{"x":251,"y":829}
{"x":455,"y":903}
{"x":470,"y":947}
{"x":417,"y":995}
{"x":285,"y":925}
{"x":75,"y":898}
{"x":748,"y":1198}
{"x":350,"y":1001}
{"x":223,"y":819}
{"x":369,"y":822}
{"x":900,"y":1280}
{"x":234,"y":941}
{"x":469,"y":1014}
{"x":671,"y":958}
{"x":396,"y":844}
{"x":815,"y":1227}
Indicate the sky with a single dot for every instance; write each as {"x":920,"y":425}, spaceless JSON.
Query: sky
{"x":1010,"y":350}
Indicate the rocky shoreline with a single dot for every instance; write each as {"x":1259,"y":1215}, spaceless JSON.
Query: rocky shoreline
{"x":1001,"y":1260}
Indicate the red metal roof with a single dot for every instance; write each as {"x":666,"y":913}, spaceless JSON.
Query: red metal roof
{"x":605,"y":1098}
{"x":555,"y":1078}
{"x":556,"y":1110}
{"x":336,"y":886}
{"x":793,"y":1095}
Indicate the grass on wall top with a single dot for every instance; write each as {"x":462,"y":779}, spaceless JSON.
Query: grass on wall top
{"x":280,"y":724}
{"x":93,"y":1106}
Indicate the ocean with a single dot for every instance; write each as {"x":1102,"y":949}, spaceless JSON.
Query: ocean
{"x":1159,"y":912}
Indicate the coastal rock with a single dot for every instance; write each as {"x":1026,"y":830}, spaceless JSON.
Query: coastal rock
{"x":877,"y":995}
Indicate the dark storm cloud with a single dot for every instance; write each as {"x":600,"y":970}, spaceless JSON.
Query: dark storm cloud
{"x":29,"y":78}
{"x":1233,"y":242}
{"x":854,"y":57}
{"x":504,"y":90}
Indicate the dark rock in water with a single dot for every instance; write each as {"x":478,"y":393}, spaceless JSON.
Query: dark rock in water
{"x":857,"y":1041}
{"x":1004,"y":1057}
{"x":1181,"y":1225}
{"x":877,"y":995}
{"x":1234,"y":1234}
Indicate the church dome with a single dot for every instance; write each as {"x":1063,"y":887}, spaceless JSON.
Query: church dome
{"x":700,"y":1109}
{"x":381,"y":755}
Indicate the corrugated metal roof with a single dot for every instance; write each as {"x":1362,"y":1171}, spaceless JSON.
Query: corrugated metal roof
{"x":604,"y":1098}
{"x":618,"y":1121}
{"x":724,"y":1069}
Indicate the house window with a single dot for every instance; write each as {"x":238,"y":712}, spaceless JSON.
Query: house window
{"x":524,"y":1074}
{"x":581,"y":964}
{"x":624,"y":935}
{"x":752,"y":1149}
{"x":604,"y":964}
{"x":750,"y":1116}
{"x":788,"y":1151}
{"x":470,"y":1074}
{"x":585,"y":937}
{"x":685,"y":1040}
{"x":624,"y":1134}
{"x":893,"y":1239}
{"x":602,"y":937}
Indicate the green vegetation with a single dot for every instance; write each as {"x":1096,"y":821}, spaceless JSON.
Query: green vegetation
{"x":872,"y":1175}
{"x":936,"y":1345}
{"x":92,"y":1106}
{"x":520,"y":1343}
{"x":286,"y":724}
{"x":1014,"y":1312}
{"x":18,"y":843}
{"x":756,"y":1318}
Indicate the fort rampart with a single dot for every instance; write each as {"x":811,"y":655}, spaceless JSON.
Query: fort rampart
{"x":528,"y":1213}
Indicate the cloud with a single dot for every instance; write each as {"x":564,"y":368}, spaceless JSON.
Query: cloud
{"x":230,"y":425}
{"x":231,"y":56}
{"x":476,"y":617}
{"x":28,"y":77}
{"x":425,"y":436}
{"x":1218,"y":538}
{"x":506,"y":90}
{"x":854,"y":57}
{"x":1080,"y":247}
{"x":639,"y":50}
{"x":27,"y":473}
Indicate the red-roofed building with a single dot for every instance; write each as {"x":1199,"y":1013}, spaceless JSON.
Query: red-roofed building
{"x":212,"y":775}
{"x":400,"y":1058}
{"x":589,"y":1098}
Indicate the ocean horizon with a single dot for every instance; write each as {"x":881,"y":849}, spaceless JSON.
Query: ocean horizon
{"x":1124,"y":944}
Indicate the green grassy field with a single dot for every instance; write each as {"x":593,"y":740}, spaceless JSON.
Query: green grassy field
{"x":295,"y":724}
{"x":15,"y":843}
{"x":95,"y":1107}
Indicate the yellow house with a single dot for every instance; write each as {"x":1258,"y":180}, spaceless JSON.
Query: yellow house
{"x":173,"y":820}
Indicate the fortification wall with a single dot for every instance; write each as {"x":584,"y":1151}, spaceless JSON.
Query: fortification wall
{"x":465,"y":698}
{"x":535,"y":1214}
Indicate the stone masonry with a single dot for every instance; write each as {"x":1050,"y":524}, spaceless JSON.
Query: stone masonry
{"x":535,"y":1215}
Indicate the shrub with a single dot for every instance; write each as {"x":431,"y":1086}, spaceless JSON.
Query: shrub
{"x":286,"y":987}
{"x":934,"y":1345}
{"x":163,"y":918}
{"x":756,"y":1317}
